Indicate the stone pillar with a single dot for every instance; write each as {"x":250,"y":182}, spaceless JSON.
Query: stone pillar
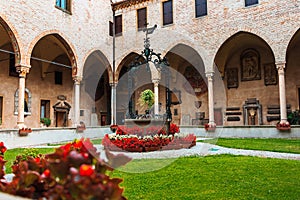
{"x":113,"y":103}
{"x":211,"y":116}
{"x":282,"y":97}
{"x":22,"y":70}
{"x":77,"y":81}
{"x":156,"y":96}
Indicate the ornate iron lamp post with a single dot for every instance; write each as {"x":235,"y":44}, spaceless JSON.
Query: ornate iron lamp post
{"x":161,"y":64}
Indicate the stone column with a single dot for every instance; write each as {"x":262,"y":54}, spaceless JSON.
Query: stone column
{"x":23,"y":70}
{"x":156,"y":96}
{"x":77,"y":81}
{"x":113,"y":103}
{"x":282,"y":97}
{"x":211,"y":116}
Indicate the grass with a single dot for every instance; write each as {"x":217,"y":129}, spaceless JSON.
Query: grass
{"x":215,"y":177}
{"x":10,"y":155}
{"x":276,"y":145}
{"x":211,"y":177}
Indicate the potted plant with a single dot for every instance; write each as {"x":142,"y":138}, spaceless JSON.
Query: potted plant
{"x":81,"y":127}
{"x":147,"y":98}
{"x":283,"y":126}
{"x":24,"y":131}
{"x":46,"y":121}
{"x":210,"y":127}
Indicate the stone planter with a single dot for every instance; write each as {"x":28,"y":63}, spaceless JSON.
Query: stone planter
{"x":283,"y":128}
{"x":144,"y":123}
{"x":113,"y":128}
{"x":148,"y":149}
{"x":24,"y":131}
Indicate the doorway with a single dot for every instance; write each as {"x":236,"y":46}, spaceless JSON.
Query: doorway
{"x":61,"y":119}
{"x":61,"y":112}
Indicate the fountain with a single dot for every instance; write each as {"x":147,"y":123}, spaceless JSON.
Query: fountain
{"x":147,"y":57}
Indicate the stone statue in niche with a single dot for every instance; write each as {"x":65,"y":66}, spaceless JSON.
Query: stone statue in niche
{"x":232,"y":78}
{"x":270,"y":74}
{"x":250,"y":65}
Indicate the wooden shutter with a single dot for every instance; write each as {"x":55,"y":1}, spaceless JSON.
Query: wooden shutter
{"x":250,"y":2}
{"x":201,"y":8}
{"x":142,"y":18}
{"x":168,"y":13}
{"x":111,"y":28}
{"x":118,"y":25}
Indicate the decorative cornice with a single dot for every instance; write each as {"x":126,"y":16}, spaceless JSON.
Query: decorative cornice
{"x":126,"y":3}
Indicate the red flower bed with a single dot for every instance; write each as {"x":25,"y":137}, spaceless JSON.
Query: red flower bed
{"x":135,"y":130}
{"x":174,"y":129}
{"x":145,"y":144}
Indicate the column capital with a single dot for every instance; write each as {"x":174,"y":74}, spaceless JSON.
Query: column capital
{"x":77,"y":79}
{"x":23,"y":70}
{"x":280,"y":65}
{"x":209,"y":74}
{"x":113,"y":84}
{"x":155,"y":82}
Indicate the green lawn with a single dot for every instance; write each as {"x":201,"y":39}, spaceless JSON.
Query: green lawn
{"x":277,"y":145}
{"x":10,"y":155}
{"x":216,"y":177}
{"x":211,"y":177}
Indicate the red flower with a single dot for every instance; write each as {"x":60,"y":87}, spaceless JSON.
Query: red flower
{"x":174,"y":129}
{"x":2,"y":148}
{"x":77,"y":144}
{"x":37,"y":159}
{"x":86,"y":170}
{"x":46,"y":173}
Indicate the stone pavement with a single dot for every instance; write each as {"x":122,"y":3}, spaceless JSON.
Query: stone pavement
{"x":205,"y":149}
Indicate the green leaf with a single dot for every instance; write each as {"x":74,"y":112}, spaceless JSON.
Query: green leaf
{"x":31,"y":177}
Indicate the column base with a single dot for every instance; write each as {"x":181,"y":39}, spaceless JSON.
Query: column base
{"x":21,"y":125}
{"x":211,"y":126}
{"x":283,"y":125}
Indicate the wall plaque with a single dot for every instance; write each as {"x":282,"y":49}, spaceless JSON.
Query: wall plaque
{"x":270,"y":74}
{"x":232,"y":78}
{"x":250,"y":65}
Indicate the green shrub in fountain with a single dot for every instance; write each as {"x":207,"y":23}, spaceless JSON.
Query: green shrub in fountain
{"x":147,"y":98}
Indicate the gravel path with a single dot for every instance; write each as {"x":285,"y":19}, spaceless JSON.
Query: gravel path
{"x":204,"y":149}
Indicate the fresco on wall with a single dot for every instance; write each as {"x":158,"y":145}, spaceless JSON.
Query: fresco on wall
{"x":195,"y":80}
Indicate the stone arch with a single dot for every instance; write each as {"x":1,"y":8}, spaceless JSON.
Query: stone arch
{"x":125,"y":58}
{"x":293,"y":41}
{"x":13,"y":39}
{"x":292,"y":72}
{"x":197,"y":49}
{"x":160,"y":45}
{"x":70,"y":50}
{"x":231,"y":41}
{"x":277,"y":46}
{"x":191,"y":55}
{"x":96,"y":88}
{"x":189,"y":78}
{"x":104,"y":60}
{"x":246,"y":63}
